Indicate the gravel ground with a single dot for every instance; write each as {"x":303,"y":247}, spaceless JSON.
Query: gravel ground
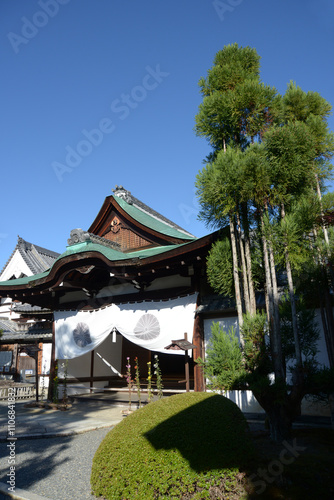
{"x":56,"y":468}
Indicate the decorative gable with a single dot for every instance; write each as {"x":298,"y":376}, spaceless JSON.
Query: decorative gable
{"x":120,"y":232}
{"x":127,"y":221}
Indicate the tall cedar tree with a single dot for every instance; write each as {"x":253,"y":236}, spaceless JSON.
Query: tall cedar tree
{"x":268,"y":152}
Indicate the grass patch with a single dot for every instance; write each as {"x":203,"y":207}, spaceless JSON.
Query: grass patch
{"x":193,"y":445}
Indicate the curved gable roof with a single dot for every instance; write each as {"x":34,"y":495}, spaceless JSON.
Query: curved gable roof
{"x":145,"y":219}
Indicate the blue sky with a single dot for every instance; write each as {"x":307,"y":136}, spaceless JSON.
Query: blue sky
{"x":96,"y":93}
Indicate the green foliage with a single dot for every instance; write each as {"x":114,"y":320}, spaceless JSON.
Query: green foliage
{"x":308,"y":331}
{"x":223,"y":365}
{"x":220,"y":268}
{"x":236,"y":106}
{"x":158,"y":374}
{"x":232,"y":65}
{"x":328,"y":202}
{"x":321,"y":384}
{"x":218,"y":187}
{"x":173,"y":448}
{"x":290,"y":152}
{"x":149,"y":382}
{"x":290,"y":235}
{"x":271,"y":158}
{"x":254,"y":331}
{"x":299,"y":105}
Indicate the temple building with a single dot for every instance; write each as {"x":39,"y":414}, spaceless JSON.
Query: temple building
{"x":127,"y":287}
{"x":132,"y":286}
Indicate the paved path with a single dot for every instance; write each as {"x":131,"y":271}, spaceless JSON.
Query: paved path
{"x":58,"y":467}
{"x":33,"y":422}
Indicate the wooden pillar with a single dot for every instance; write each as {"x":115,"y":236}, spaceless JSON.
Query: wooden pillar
{"x":198,"y":341}
{"x":15,"y":363}
{"x":91,"y":371}
{"x":36,"y":372}
{"x":186,"y":366}
{"x":53,"y":362}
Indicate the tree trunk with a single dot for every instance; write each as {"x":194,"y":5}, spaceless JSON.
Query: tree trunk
{"x":293,"y":310}
{"x":252,"y":298}
{"x":280,"y":424}
{"x":279,"y":419}
{"x":236,"y":278}
{"x":274,"y":285}
{"x":275,"y":341}
{"x":292,"y":300}
{"x":322,"y":212}
{"x":243,"y":264}
{"x":325,"y":329}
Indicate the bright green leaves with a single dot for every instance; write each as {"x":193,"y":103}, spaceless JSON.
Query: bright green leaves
{"x":290,"y":152}
{"x":220,"y":268}
{"x":218,"y":185}
{"x":223,"y":364}
{"x":236,"y":106}
{"x":299,"y":105}
{"x":232,"y":65}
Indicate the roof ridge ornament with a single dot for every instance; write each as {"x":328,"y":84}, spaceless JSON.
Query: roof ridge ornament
{"x":78,"y":236}
{"x":120,"y":192}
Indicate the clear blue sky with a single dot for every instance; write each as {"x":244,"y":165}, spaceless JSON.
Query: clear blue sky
{"x":129,"y":68}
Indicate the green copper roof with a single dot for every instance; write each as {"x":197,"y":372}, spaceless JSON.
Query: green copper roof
{"x":25,"y":280}
{"x":110,"y":253}
{"x":152,"y":222}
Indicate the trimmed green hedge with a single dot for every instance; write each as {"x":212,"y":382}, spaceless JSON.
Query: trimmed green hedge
{"x":189,"y":444}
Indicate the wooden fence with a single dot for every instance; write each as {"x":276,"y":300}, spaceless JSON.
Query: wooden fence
{"x":21,"y":392}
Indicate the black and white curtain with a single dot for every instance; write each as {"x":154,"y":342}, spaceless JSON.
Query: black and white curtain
{"x":152,"y":325}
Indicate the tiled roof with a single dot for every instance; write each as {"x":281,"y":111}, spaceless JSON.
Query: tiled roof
{"x":147,"y":216}
{"x":25,"y":337}
{"x":16,"y":331}
{"x":38,"y":259}
{"x":109,"y":251}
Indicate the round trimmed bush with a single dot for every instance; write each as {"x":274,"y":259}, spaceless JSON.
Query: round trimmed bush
{"x":183,"y":446}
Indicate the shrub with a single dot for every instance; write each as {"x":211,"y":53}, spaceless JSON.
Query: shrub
{"x":223,"y":364}
{"x":188,"y":445}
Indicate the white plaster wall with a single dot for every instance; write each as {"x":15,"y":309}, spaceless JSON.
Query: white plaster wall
{"x":80,"y":367}
{"x":5,"y":309}
{"x":15,"y":267}
{"x":245,"y":400}
{"x":226,"y":323}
